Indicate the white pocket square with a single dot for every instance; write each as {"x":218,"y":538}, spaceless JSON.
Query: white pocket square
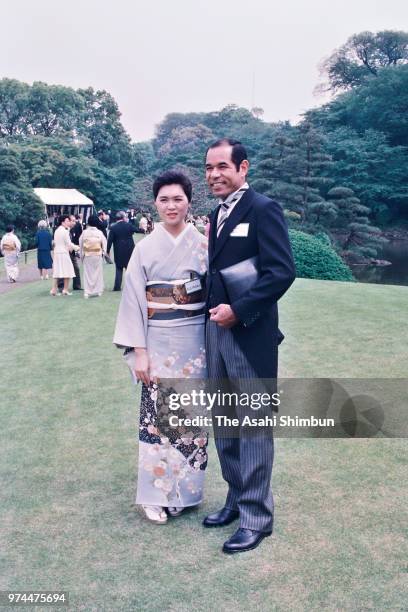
{"x":240,"y":231}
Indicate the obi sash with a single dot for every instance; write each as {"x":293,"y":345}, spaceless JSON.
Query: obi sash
{"x":175,"y":299}
{"x":8,"y":245}
{"x":92,"y":246}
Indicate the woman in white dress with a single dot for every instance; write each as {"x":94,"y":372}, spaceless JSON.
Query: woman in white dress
{"x":92,"y":244}
{"x":62,"y":264}
{"x":10,"y":247}
{"x":161,"y":322}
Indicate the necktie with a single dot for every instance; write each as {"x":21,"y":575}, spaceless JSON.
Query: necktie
{"x":222,"y":216}
{"x":224,"y":208}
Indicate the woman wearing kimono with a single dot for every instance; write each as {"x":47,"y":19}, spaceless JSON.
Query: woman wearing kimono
{"x":161,"y":320}
{"x":92,"y":244}
{"x":10,"y":247}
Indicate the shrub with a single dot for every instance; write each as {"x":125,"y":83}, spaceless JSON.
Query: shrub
{"x":316,"y":258}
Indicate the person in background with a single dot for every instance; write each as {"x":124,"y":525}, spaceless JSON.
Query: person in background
{"x":206,"y":227}
{"x":75,"y":233}
{"x":62,"y":264}
{"x":10,"y":247}
{"x":121,"y":237}
{"x":92,"y":248}
{"x":102,"y":222}
{"x":43,"y":241}
{"x":150,"y":224}
{"x":132,"y":216}
{"x":143,"y":224}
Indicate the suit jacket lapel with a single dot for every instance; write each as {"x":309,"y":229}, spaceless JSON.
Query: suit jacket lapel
{"x":213,"y":230}
{"x":233,"y":219}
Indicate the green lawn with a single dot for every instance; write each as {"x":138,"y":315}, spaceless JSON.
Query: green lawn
{"x":68,"y":467}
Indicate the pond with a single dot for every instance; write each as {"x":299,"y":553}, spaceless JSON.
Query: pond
{"x":395,"y":251}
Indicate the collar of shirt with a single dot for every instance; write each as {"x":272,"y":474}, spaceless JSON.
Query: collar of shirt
{"x":231,"y":196}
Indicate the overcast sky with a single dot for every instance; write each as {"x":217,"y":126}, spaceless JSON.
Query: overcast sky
{"x":168,"y":56}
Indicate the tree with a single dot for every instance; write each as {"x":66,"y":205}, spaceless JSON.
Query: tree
{"x":363,"y":56}
{"x":13,"y":107}
{"x":376,"y":171}
{"x":52,"y":110}
{"x":186,"y":141}
{"x":359,"y":237}
{"x":18,"y":202}
{"x":57,"y":163}
{"x":291,"y":171}
{"x":114,"y":188}
{"x":143,"y":159}
{"x":100,"y":125}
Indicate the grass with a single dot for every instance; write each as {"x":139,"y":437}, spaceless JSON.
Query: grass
{"x":68,"y":466}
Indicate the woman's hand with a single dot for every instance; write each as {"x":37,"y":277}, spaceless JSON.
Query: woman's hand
{"x":142,"y":368}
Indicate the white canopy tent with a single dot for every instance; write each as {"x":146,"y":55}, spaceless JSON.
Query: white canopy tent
{"x":59,"y":201}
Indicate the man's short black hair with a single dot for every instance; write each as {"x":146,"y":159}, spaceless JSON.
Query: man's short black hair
{"x":10,"y":228}
{"x":172,"y":177}
{"x":62,"y":218}
{"x":238,"y":153}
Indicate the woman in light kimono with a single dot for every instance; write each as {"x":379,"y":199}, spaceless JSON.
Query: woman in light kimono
{"x":92,"y":244}
{"x":161,"y":317}
{"x":10,"y":247}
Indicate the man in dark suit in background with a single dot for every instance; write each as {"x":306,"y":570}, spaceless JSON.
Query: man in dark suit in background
{"x":75,"y":233}
{"x":121,"y":237}
{"x":103,"y":222}
{"x":243,"y":336}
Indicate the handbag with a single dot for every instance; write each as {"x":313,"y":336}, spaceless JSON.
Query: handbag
{"x":240,"y":278}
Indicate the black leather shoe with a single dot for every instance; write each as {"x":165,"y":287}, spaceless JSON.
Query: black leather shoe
{"x":244,"y":539}
{"x":221,"y":518}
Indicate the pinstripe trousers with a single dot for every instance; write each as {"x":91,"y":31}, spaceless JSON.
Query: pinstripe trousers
{"x":246,"y":458}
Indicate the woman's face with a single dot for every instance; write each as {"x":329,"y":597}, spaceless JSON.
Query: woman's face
{"x":172,"y":205}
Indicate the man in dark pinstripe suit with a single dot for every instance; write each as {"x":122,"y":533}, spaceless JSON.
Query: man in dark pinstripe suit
{"x":243,"y":336}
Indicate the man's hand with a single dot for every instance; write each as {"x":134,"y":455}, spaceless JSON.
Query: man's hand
{"x":223,"y":315}
{"x":142,"y":368}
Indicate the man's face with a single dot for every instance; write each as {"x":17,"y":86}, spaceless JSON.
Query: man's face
{"x":221,"y":174}
{"x":72,"y":221}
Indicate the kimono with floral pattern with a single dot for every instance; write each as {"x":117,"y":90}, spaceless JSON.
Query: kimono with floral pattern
{"x":172,"y":461}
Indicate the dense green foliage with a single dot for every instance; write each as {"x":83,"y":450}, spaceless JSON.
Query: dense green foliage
{"x":315,"y":258}
{"x":342,"y":171}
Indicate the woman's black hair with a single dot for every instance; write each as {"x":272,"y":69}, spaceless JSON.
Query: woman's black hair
{"x":172,"y":177}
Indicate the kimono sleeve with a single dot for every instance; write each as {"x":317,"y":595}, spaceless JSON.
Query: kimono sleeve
{"x":131,"y":322}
